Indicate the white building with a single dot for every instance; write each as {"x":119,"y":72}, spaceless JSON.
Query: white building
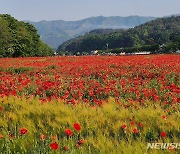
{"x":95,"y":52}
{"x":142,"y":53}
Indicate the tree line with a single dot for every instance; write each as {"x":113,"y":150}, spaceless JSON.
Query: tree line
{"x":20,"y":39}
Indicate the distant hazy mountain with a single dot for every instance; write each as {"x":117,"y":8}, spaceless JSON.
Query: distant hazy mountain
{"x":175,"y":15}
{"x":56,"y":32}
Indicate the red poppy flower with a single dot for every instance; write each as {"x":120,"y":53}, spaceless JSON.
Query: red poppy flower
{"x":77,"y":127}
{"x":53,"y":137}
{"x":163,"y":117}
{"x":163,"y":134}
{"x":124,"y":126}
{"x":81,"y":141}
{"x":1,"y":136}
{"x":78,"y":146}
{"x":0,"y":108}
{"x":171,"y":148}
{"x":66,"y":148}
{"x":23,"y":131}
{"x":132,"y":123}
{"x":68,"y":132}
{"x":43,"y":137}
{"x":140,"y":125}
{"x":135,"y":131}
{"x":54,"y":146}
{"x":11,"y":136}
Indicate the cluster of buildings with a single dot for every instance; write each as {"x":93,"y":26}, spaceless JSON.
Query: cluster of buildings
{"x":121,"y":53}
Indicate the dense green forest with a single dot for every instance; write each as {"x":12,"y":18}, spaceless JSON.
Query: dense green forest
{"x":20,"y":39}
{"x":160,"y":35}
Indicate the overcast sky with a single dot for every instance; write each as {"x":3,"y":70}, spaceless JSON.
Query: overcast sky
{"x":36,"y":10}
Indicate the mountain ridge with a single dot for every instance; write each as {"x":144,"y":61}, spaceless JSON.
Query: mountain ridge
{"x":149,"y":36}
{"x":56,"y":32}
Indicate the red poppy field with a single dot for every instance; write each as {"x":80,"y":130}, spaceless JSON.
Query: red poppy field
{"x":89,"y":104}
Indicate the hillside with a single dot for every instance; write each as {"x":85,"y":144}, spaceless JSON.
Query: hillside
{"x":103,"y":31}
{"x":56,"y":32}
{"x":162,"y":31}
{"x":19,"y":39}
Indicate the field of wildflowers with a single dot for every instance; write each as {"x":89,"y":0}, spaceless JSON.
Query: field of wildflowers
{"x":93,"y":104}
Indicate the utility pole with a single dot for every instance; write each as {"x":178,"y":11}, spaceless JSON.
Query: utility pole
{"x":107,"y":46}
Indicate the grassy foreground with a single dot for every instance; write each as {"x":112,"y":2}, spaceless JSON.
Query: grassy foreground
{"x":111,"y":128}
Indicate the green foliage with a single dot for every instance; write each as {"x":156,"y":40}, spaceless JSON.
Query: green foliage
{"x":19,"y":39}
{"x":17,"y":70}
{"x":146,"y":37}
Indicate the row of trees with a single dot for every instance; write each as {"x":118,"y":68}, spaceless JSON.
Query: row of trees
{"x":162,"y":31}
{"x":19,"y":39}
